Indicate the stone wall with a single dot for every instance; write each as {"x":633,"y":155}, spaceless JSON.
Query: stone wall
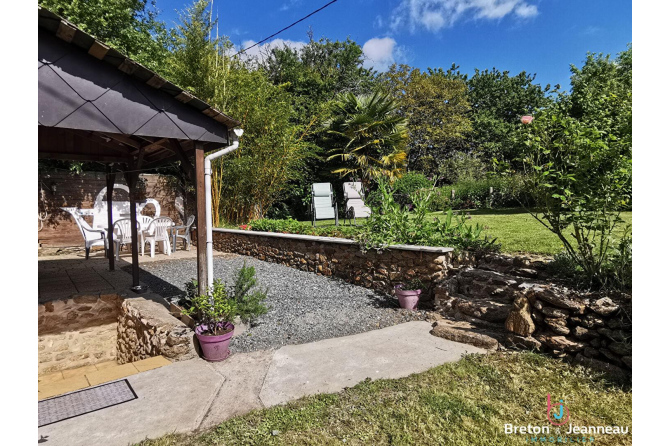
{"x":77,"y":331}
{"x":343,"y":258}
{"x":515,"y":300}
{"x":88,"y":329}
{"x":146,"y":329}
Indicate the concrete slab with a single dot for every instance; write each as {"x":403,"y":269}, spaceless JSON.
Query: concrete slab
{"x":244,"y":374}
{"x":333,"y":364}
{"x":173,"y":398}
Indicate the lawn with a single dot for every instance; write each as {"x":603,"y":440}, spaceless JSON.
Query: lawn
{"x":516,"y":230}
{"x":463,"y":403}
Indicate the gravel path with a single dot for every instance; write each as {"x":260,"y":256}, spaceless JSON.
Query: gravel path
{"x":304,"y":307}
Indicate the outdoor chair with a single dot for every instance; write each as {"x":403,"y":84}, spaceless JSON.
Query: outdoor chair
{"x":186,"y":236}
{"x":324,"y":206}
{"x":355,"y":208}
{"x":92,"y":237}
{"x":123,"y":233}
{"x":158,"y":231}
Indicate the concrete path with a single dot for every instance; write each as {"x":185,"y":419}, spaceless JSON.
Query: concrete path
{"x":193,"y":395}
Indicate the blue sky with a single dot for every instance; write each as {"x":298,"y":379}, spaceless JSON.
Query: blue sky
{"x":538,"y":36}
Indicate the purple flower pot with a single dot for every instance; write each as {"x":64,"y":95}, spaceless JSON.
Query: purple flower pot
{"x":214,"y":348}
{"x":409,"y":299}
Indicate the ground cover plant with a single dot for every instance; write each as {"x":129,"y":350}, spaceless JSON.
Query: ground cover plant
{"x":463,"y":403}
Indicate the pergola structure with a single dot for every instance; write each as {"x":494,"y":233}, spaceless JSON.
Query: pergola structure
{"x":97,"y":105}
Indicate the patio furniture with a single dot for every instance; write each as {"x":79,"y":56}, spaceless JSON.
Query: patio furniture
{"x":92,"y":237}
{"x":123,"y":233}
{"x":120,"y":209}
{"x":157,"y":231}
{"x":324,"y":206}
{"x":356,"y":208}
{"x":186,"y":236}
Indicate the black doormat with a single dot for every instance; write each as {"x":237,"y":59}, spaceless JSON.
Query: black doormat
{"x":84,"y":401}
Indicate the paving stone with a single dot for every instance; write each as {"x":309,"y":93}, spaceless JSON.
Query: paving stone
{"x":79,"y":371}
{"x":48,"y":390}
{"x":151,"y":363}
{"x":111,"y":374}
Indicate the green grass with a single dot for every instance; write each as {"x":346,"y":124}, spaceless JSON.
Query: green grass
{"x":463,"y":403}
{"x":516,"y":230}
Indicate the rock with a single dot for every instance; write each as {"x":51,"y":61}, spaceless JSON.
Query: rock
{"x":612,"y":370}
{"x":484,"y":309}
{"x":603,"y":306}
{"x":558,"y":300}
{"x":591,"y":352}
{"x":443,"y":330}
{"x":516,"y":341}
{"x":610,"y":355}
{"x":628,"y":361}
{"x":617,"y":336}
{"x":621,"y":348}
{"x":519,"y":320}
{"x":555,"y":312}
{"x":592,"y":320}
{"x":557,"y":325}
{"x":560,"y":343}
{"x":583,"y":333}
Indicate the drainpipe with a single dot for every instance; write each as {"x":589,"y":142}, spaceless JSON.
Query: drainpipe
{"x":208,"y":202}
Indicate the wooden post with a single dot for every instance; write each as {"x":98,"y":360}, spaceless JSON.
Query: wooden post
{"x":200,"y":215}
{"x":111,"y":176}
{"x":131,"y":179}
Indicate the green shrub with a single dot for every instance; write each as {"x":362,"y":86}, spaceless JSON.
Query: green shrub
{"x":392,"y":224}
{"x":224,"y":304}
{"x":508,"y":191}
{"x":406,"y":186}
{"x":291,"y":226}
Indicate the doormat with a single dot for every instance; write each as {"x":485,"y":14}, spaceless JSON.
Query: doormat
{"x":84,"y":401}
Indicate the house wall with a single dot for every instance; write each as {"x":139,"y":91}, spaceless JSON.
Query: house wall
{"x":80,"y":190}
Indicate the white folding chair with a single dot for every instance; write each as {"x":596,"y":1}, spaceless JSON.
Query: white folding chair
{"x":92,"y":237}
{"x":157,"y":231}
{"x":324,"y":206}
{"x":355,"y":208}
{"x":123,"y":233}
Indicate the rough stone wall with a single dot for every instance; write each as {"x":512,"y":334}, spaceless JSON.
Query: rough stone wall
{"x":343,"y":259}
{"x":516,"y":297}
{"x":146,"y":329}
{"x":77,"y":331}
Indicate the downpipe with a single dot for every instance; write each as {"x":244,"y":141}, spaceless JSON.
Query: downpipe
{"x":208,"y":203}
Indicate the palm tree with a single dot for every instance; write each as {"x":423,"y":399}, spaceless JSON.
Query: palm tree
{"x":368,"y":135}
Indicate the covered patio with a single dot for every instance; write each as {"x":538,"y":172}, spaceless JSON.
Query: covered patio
{"x":97,"y":105}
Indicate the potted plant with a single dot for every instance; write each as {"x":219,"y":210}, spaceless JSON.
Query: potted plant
{"x":214,"y":313}
{"x":408,"y":293}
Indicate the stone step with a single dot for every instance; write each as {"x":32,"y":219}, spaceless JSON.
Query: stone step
{"x":452,"y":332}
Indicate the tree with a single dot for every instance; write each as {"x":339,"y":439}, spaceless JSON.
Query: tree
{"x":602,"y":93}
{"x":498,"y":100}
{"x":368,"y":136}
{"x":130,"y":26}
{"x":271,"y":152}
{"x":436,"y":108}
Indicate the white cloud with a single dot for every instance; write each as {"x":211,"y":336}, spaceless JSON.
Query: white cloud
{"x":380,"y":53}
{"x":261,"y":51}
{"x":433,"y":15}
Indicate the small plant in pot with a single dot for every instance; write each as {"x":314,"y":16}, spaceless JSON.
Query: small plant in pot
{"x":214,"y":313}
{"x":408,"y":293}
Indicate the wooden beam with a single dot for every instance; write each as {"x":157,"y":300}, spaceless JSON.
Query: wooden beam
{"x":81,"y":157}
{"x":200,"y":215}
{"x":123,"y":139}
{"x":111,"y":176}
{"x":187,"y":167}
{"x":131,"y":181}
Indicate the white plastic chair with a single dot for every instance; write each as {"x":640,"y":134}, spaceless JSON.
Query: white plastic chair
{"x":186,"y":236}
{"x":324,"y":206}
{"x":123,"y":234}
{"x":355,"y":208}
{"x":158,"y":232}
{"x":92,"y":237}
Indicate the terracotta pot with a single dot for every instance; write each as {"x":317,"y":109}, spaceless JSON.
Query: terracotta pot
{"x":215,"y":348}
{"x":409,"y":299}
